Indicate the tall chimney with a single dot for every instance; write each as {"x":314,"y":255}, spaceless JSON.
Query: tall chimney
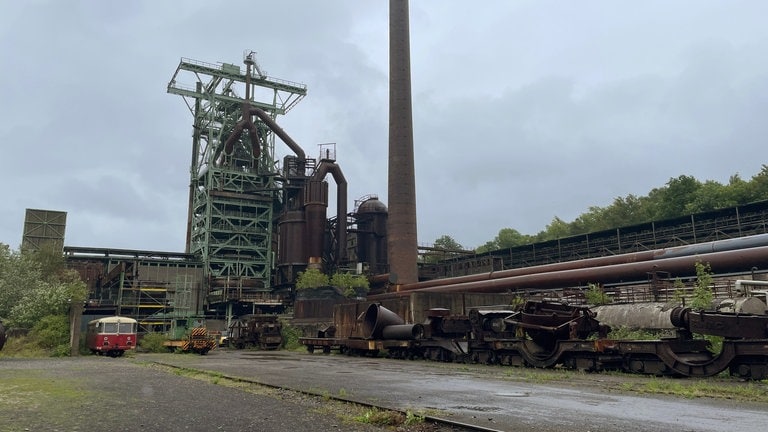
{"x":402,"y":245}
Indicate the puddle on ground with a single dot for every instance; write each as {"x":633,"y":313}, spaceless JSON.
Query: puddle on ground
{"x":514,"y":394}
{"x":476,"y":408}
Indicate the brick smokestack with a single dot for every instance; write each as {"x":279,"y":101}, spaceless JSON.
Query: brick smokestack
{"x":402,"y":243}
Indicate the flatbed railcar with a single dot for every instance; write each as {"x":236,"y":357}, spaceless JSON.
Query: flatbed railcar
{"x":548,"y":335}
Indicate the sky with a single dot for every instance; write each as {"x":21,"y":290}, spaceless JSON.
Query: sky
{"x":523,"y":111}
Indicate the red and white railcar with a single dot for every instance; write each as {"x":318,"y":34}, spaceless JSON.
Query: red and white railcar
{"x":112,"y":336}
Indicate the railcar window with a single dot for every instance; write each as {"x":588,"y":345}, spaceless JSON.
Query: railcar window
{"x":127,"y":328}
{"x":110,"y":327}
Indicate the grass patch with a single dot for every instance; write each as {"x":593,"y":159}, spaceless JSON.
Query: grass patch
{"x":379,"y":417}
{"x":698,"y":388}
{"x":24,"y":397}
{"x":20,"y":347}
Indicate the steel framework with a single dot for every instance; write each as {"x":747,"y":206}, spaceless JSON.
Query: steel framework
{"x":233,"y":188}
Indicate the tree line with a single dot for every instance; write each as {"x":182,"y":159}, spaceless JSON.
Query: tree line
{"x":680,"y":196}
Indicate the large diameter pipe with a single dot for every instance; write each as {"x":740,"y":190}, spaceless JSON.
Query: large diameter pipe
{"x":720,"y":262}
{"x":274,"y":127}
{"x":403,"y":332}
{"x":657,"y":254}
{"x":649,"y":316}
{"x":402,"y":245}
{"x":376,"y":318}
{"x":323,"y":169}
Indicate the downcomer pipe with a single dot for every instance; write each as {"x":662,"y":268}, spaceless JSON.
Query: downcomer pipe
{"x":324,"y":168}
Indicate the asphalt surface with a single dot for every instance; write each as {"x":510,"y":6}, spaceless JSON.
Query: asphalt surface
{"x":137,"y":393}
{"x":105,"y":394}
{"x":460,"y":393}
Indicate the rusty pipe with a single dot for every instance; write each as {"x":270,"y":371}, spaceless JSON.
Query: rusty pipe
{"x":657,"y":254}
{"x":274,"y":127}
{"x":720,"y":262}
{"x":323,"y":169}
{"x":246,"y":124}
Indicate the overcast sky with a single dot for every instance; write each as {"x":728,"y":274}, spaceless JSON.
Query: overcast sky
{"x":522,"y":110}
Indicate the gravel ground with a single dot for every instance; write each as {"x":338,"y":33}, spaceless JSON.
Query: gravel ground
{"x":100,"y":393}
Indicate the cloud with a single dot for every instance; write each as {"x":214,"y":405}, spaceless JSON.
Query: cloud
{"x":523,"y":110}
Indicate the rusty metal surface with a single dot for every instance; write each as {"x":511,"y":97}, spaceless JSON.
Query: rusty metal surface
{"x":729,"y":325}
{"x":657,"y":254}
{"x":720,"y":262}
{"x":324,"y":168}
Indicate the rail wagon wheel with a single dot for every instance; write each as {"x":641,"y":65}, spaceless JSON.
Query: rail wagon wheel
{"x":697,"y":364}
{"x":644,"y":364}
{"x":534,"y":355}
{"x":751,"y":367}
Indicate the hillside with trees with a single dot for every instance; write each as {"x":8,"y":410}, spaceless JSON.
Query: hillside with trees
{"x":680,"y":196}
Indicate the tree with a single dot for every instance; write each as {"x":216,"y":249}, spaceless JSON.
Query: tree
{"x":757,"y":188}
{"x":448,"y":243}
{"x":506,"y":238}
{"x":488,"y":246}
{"x":556,"y":229}
{"x":681,"y":196}
{"x":444,"y":247}
{"x":48,"y":297}
{"x":36,"y":292}
{"x":18,"y":275}
{"x":509,"y":237}
{"x":671,"y":201}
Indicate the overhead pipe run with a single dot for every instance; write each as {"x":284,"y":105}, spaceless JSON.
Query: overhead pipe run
{"x":657,"y":254}
{"x":720,"y":262}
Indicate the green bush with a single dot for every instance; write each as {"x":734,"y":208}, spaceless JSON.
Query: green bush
{"x":596,"y":296}
{"x":153,"y":342}
{"x":51,"y":332}
{"x":312,"y":278}
{"x":350,"y":284}
{"x":291,"y":336}
{"x":702,"y":292}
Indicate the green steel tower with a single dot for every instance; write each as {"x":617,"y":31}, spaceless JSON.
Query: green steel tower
{"x":234,"y":178}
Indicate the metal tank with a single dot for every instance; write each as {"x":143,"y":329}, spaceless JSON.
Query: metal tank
{"x":371,"y":219}
{"x":316,"y":203}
